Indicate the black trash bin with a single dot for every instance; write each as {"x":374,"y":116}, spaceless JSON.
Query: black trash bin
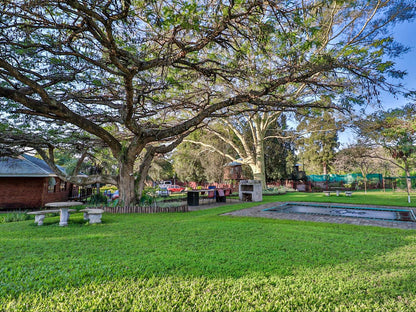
{"x":193,"y":199}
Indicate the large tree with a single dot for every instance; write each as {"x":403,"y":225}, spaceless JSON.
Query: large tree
{"x":245,"y":134}
{"x":395,"y":131}
{"x":137,"y":76}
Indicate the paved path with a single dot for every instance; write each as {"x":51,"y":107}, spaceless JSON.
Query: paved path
{"x":258,"y":212}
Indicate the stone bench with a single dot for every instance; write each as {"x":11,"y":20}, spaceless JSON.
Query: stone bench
{"x":337,"y":192}
{"x":93,"y":215}
{"x":40,"y":215}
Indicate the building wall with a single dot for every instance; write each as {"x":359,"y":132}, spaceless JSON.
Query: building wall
{"x":233,"y":173}
{"x":56,"y":194}
{"x":29,"y":193}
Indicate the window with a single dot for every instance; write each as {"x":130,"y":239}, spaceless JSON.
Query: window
{"x":51,"y":185}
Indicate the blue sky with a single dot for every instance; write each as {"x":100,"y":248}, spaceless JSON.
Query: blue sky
{"x":405,"y":34}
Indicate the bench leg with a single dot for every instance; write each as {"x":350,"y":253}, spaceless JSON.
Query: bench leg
{"x":86,"y":216}
{"x":64,"y":217}
{"x":39,"y":219}
{"x":95,"y":218}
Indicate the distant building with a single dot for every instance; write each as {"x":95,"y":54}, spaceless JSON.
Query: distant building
{"x":28,"y":182}
{"x":233,"y":171}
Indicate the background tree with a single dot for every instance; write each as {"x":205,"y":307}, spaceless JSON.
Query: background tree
{"x":317,"y":149}
{"x":139,"y":76}
{"x":395,"y":131}
{"x":365,"y":159}
{"x":356,"y":158}
{"x":161,"y":169}
{"x":194,"y":162}
{"x":280,"y":157}
{"x":188,"y":160}
{"x":245,"y":134}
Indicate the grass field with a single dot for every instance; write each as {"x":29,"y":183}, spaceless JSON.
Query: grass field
{"x":202,"y":261}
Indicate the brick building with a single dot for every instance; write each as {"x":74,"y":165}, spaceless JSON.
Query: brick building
{"x":28,"y":182}
{"x":233,"y":171}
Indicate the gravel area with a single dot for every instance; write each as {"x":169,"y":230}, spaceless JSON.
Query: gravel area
{"x":258,"y":211}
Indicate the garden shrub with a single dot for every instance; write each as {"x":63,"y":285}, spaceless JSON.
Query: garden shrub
{"x":98,"y":199}
{"x":14,"y":217}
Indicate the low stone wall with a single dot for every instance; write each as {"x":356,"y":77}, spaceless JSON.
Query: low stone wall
{"x":146,"y":209}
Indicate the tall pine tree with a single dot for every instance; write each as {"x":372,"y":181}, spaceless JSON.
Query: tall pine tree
{"x":317,"y":148}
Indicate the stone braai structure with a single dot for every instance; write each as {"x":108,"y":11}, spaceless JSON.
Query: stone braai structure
{"x":250,"y":190}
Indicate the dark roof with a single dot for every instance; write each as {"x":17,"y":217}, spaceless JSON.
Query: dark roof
{"x":25,"y":166}
{"x":233,"y":164}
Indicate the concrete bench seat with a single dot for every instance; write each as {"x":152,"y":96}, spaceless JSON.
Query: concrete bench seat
{"x":93,"y":214}
{"x":41,"y":214}
{"x":337,"y":192}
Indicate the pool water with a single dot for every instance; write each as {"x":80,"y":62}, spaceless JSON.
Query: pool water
{"x":347,"y":211}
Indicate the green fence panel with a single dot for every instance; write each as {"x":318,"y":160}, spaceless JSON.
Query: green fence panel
{"x":345,"y":178}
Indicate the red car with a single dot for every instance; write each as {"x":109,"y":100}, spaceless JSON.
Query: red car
{"x":175,"y":188}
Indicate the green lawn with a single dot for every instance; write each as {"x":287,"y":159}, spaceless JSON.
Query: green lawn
{"x":201,"y":261}
{"x":371,"y":198}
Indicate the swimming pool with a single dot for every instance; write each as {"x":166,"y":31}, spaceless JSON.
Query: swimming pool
{"x":375,"y":213}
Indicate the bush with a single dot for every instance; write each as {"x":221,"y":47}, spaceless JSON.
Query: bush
{"x":147,"y":200}
{"x":148,"y":196}
{"x":111,"y":188}
{"x":97,"y":199}
{"x":317,"y":188}
{"x":14,"y":217}
{"x":271,"y":190}
{"x":277,"y":190}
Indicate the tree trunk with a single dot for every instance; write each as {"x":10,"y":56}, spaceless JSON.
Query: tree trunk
{"x":364,"y":179}
{"x":408,"y":183}
{"x":144,"y":170}
{"x":258,"y":174}
{"x":258,"y":166}
{"x":324,"y":168}
{"x":126,"y":184}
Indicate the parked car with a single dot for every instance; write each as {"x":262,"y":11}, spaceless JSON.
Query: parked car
{"x":164,"y":184}
{"x":162,"y":192}
{"x":175,"y":188}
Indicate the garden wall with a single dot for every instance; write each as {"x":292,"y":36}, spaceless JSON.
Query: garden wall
{"x":146,"y":209}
